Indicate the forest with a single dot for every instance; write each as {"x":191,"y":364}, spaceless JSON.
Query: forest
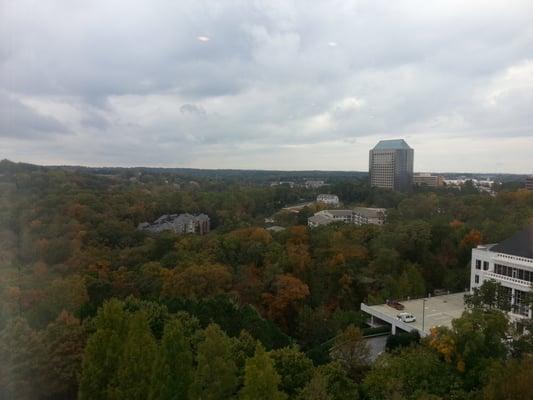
{"x":93,"y":308}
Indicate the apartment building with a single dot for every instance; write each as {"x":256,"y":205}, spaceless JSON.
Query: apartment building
{"x":511,"y":264}
{"x":329,"y":199}
{"x":357,"y":216}
{"x":179,"y":224}
{"x":424,"y":179}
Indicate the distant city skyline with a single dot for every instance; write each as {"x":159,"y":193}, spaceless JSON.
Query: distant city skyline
{"x":289,"y":85}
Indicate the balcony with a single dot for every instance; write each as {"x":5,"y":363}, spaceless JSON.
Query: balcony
{"x":509,"y":279}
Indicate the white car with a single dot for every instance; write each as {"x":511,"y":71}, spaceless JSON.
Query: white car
{"x":406,"y":317}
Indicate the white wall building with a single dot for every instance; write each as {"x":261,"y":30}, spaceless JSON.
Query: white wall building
{"x":511,"y":264}
{"x":329,"y":199}
{"x":357,"y":216}
{"x":314,"y":184}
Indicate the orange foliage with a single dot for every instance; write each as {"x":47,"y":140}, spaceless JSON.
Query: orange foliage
{"x":471,"y":239}
{"x":198,"y":281}
{"x":456,"y":224}
{"x":289,"y":292}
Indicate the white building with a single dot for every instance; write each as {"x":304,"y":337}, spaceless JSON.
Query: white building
{"x":313,"y":184}
{"x":511,"y":264}
{"x":366,"y":215}
{"x":357,"y":216}
{"x":329,"y":199}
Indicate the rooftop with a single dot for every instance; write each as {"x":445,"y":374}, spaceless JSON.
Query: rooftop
{"x":520,"y":244}
{"x":370,"y":212}
{"x":394,"y":144}
{"x":336,"y":213}
{"x":439,"y":311}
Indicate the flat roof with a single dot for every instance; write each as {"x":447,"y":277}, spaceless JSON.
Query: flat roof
{"x":439,"y":311}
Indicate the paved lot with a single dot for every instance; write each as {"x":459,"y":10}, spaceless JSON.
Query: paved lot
{"x":376,"y":346}
{"x":439,"y":310}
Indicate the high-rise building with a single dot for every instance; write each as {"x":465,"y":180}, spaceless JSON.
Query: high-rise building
{"x":391,"y":165}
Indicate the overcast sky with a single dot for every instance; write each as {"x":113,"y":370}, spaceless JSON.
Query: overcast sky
{"x":267,"y":84}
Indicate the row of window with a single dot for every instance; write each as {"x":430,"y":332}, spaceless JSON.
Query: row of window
{"x":485,"y":265}
{"x":513,"y":272}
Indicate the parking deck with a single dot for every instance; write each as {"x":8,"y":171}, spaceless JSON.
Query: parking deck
{"x":439,"y":311}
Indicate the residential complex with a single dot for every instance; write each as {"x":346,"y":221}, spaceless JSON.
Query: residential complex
{"x":366,"y":215}
{"x":424,"y":179}
{"x":511,"y":264}
{"x":357,"y":216}
{"x":529,"y":183}
{"x":314,"y":184}
{"x":178,"y":223}
{"x":329,"y":199}
{"x":391,"y":165}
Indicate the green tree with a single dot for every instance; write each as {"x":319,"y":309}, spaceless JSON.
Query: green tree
{"x":294,"y":368}
{"x":103,"y":351}
{"x":260,"y":378}
{"x":172,"y":372}
{"x":490,"y":295}
{"x":351,"y":351}
{"x":316,"y":389}
{"x":19,"y":372}
{"x":510,"y":380}
{"x":135,"y":369}
{"x":339,"y":385}
{"x":409,"y":373}
{"x":215,"y":377}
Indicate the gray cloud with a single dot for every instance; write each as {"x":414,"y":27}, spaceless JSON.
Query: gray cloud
{"x":22,"y":122}
{"x":268,"y":81}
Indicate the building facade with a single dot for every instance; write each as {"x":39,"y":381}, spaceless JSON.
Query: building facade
{"x":509,"y":263}
{"x":179,"y":224}
{"x":329,"y":199}
{"x":391,"y":165}
{"x":529,"y":183}
{"x":365,"y":215}
{"x":357,"y":216}
{"x":422,"y":179}
{"x":314,"y":184}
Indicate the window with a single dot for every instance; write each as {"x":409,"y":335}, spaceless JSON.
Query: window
{"x":478,"y":264}
{"x":476,"y":279}
{"x":485,"y":265}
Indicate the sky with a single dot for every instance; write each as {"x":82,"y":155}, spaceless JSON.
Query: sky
{"x":284,"y":85}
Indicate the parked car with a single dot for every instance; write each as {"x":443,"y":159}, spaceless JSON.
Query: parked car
{"x":406,"y":317}
{"x":396,"y":304}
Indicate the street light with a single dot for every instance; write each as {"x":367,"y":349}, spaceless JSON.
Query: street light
{"x":423,"y":313}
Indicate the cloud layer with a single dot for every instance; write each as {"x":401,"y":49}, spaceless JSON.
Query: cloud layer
{"x":275,"y":85}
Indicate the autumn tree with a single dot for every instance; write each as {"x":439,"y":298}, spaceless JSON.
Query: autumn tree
{"x":62,"y":344}
{"x":289,"y":291}
{"x":198,"y":281}
{"x":260,"y":378}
